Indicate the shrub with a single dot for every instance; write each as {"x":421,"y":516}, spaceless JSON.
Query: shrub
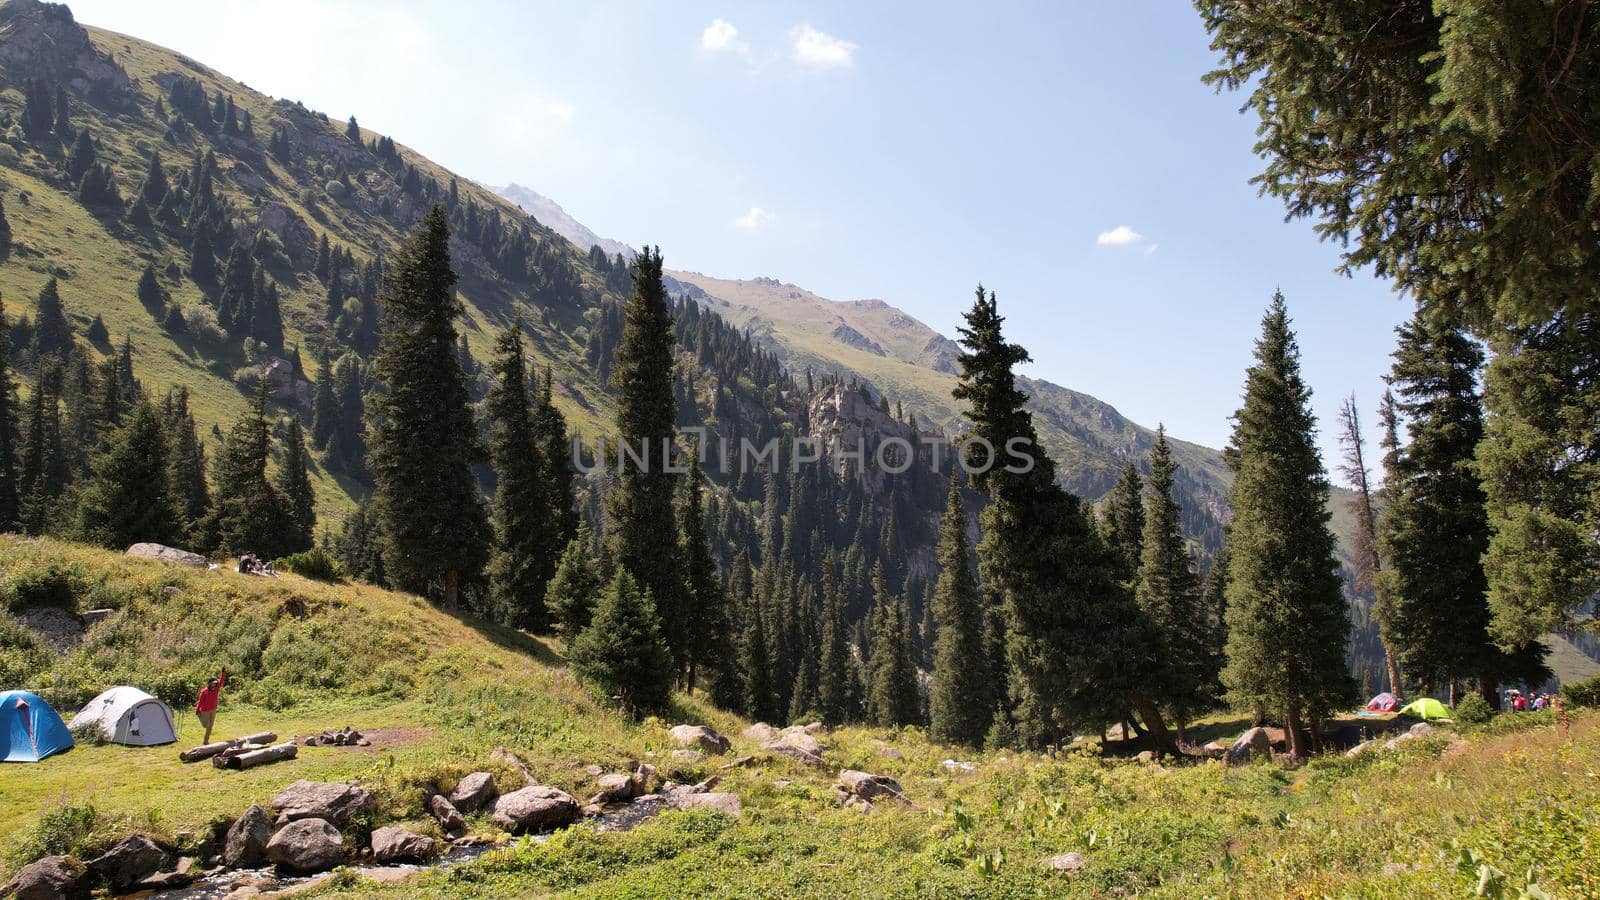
{"x":1473,"y":710}
{"x":64,"y":829}
{"x":51,"y":584}
{"x":316,"y":564}
{"x":200,"y":323}
{"x":1582,"y":693}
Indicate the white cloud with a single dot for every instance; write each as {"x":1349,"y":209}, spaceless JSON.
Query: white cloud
{"x":755,"y":218}
{"x":1120,"y":236}
{"x":815,"y":48}
{"x":718,"y":35}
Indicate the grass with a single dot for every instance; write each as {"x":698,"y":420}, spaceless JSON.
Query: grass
{"x":1511,"y":803}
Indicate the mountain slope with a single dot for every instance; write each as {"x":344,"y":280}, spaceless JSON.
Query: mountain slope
{"x":552,"y":216}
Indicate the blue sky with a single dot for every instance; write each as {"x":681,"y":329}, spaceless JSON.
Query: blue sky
{"x":1066,"y":154}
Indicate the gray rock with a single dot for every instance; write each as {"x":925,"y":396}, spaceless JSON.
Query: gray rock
{"x":760,"y":732}
{"x":246,"y":844}
{"x":307,"y":846}
{"x":394,"y":844}
{"x":474,"y":792}
{"x":535,"y":808}
{"x":511,"y":761}
{"x":1359,"y":749}
{"x":51,"y":878}
{"x":1253,"y":743}
{"x":1065,"y":862}
{"x":723,"y":801}
{"x":866,"y":786}
{"x":335,"y":802}
{"x":1421,"y":729}
{"x":797,"y":745}
{"x":128,"y":861}
{"x":700,"y":737}
{"x":617,"y":788}
{"x":163,"y":553}
{"x":448,"y":817}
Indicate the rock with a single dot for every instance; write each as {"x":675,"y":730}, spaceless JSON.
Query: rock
{"x":760,"y":732}
{"x":535,"y":808}
{"x":1359,"y":749}
{"x":866,"y":786}
{"x":448,"y":817}
{"x":1214,"y":748}
{"x":60,"y":628}
{"x":892,"y":753}
{"x":594,"y":771}
{"x":706,"y":785}
{"x":164,"y":881}
{"x":1394,"y":742}
{"x":1065,"y":862}
{"x":306,"y":846}
{"x":797,"y":745}
{"x":128,"y":861}
{"x":954,"y":765}
{"x":1253,"y":743}
{"x":739,"y":763}
{"x":725,"y":802}
{"x":93,"y":617}
{"x":700,"y":737}
{"x":246,"y":844}
{"x":814,"y":728}
{"x":474,"y":792}
{"x":394,"y":844}
{"x":1145,"y":756}
{"x":335,"y":802}
{"x":858,"y":804}
{"x":510,"y":760}
{"x":163,"y":553}
{"x":51,"y":878}
{"x":1421,"y":729}
{"x":617,"y":788}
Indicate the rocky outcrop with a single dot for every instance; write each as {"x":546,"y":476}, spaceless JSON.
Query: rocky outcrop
{"x":299,"y":239}
{"x":163,"y":553}
{"x":700,"y":737}
{"x":42,"y":40}
{"x":334,"y":802}
{"x":474,"y":792}
{"x":502,"y":756}
{"x":128,"y":861}
{"x":1253,"y":744}
{"x":798,"y":744}
{"x":394,"y":844}
{"x":307,"y":846}
{"x":722,"y":801}
{"x":535,"y":808}
{"x":51,"y":878}
{"x":246,"y":844}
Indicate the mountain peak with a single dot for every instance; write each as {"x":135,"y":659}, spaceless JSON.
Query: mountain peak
{"x":551,"y":215}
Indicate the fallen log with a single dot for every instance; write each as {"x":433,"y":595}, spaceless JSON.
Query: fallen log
{"x":206,"y":751}
{"x":249,"y":759}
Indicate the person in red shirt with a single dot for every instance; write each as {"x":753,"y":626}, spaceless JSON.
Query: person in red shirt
{"x":206,"y":706}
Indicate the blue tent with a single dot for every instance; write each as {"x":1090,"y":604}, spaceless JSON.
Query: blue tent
{"x":30,"y":729}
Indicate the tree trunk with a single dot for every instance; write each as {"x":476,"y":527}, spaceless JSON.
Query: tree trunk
{"x":251,"y":758}
{"x":1489,"y":688}
{"x":1159,"y":735}
{"x":452,"y":590}
{"x":1180,"y":724}
{"x":206,"y":751}
{"x":1394,"y":669}
{"x":1296,"y":734}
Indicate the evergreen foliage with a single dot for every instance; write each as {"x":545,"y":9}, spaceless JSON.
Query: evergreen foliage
{"x":127,"y":497}
{"x":962,"y":697}
{"x":569,"y":598}
{"x":622,"y":652}
{"x":52,"y":333}
{"x":523,"y":535}
{"x":249,"y":514}
{"x":10,"y":495}
{"x":295,"y":484}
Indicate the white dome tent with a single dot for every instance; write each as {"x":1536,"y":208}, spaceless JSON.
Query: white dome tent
{"x":127,"y":715}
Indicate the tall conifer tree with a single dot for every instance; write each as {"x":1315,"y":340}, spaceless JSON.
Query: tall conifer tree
{"x":1124,"y":521}
{"x":436,"y":535}
{"x":127,"y":498}
{"x":10,"y":495}
{"x":1287,"y":621}
{"x":622,"y":652}
{"x":522,"y":523}
{"x":294,"y":482}
{"x":961,"y":703}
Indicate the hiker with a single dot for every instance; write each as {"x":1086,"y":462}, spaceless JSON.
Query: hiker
{"x":247,"y":564}
{"x":206,"y":706}
{"x":1519,"y":703}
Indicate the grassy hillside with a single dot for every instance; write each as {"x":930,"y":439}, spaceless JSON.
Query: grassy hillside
{"x":437,"y":694}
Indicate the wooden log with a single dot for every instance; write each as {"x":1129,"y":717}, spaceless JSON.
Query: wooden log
{"x":249,"y":759}
{"x":207,"y":751}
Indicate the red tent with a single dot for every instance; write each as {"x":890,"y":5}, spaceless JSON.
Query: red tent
{"x":1384,"y":702}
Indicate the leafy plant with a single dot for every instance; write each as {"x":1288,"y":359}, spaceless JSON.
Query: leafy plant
{"x":1582,"y":693}
{"x":316,"y":564}
{"x":1473,"y":710}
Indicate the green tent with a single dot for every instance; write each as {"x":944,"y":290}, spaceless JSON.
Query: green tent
{"x":1426,"y":708}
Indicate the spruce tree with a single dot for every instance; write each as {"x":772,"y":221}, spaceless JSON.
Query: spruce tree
{"x":436,"y":535}
{"x":1287,"y":621}
{"x":266,"y":318}
{"x":569,"y":598}
{"x":556,"y":473}
{"x":622,"y":653}
{"x":41,"y":471}
{"x":760,"y":700}
{"x":127,"y":497}
{"x":892,"y":694}
{"x":202,"y":261}
{"x":1076,"y":643}
{"x":249,"y":514}
{"x":325,"y":411}
{"x":155,"y":187}
{"x":709,"y":643}
{"x":82,"y":158}
{"x":834,"y":659}
{"x":149,"y":291}
{"x":294,"y":482}
{"x":962,"y":697}
{"x":643,"y":525}
{"x":1124,"y":521}
{"x":52,"y":333}
{"x":522,"y":534}
{"x":10,"y":495}
{"x":5,"y":231}
{"x":1363,"y":508}
{"x":360,"y":549}
{"x":1434,"y":529}
{"x":186,"y":470}
{"x":1169,"y":594}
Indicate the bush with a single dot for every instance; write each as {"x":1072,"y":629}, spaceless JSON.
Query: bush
{"x":51,"y":584}
{"x":1582,"y":693}
{"x":316,"y":564}
{"x":200,"y":323}
{"x":65,"y":829}
{"x":1473,"y":710}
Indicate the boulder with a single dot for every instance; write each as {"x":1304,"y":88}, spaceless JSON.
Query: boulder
{"x":700,"y":737}
{"x":617,"y":788}
{"x":813,"y":728}
{"x":504,"y":757}
{"x":163,"y":553}
{"x":1253,"y":743}
{"x":51,"y":878}
{"x":535,"y":808}
{"x":1145,"y":756}
{"x":307,"y":846}
{"x":1065,"y":862}
{"x":892,"y":753}
{"x":473,"y":793}
{"x":448,"y":817}
{"x":866,"y":786}
{"x":760,"y":732}
{"x":128,"y":861}
{"x":1394,"y":742}
{"x":1359,"y":749}
{"x":722,"y":801}
{"x":246,"y":844}
{"x":335,"y":802}
{"x":394,"y":844}
{"x":1421,"y":729}
{"x":797,"y":745}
